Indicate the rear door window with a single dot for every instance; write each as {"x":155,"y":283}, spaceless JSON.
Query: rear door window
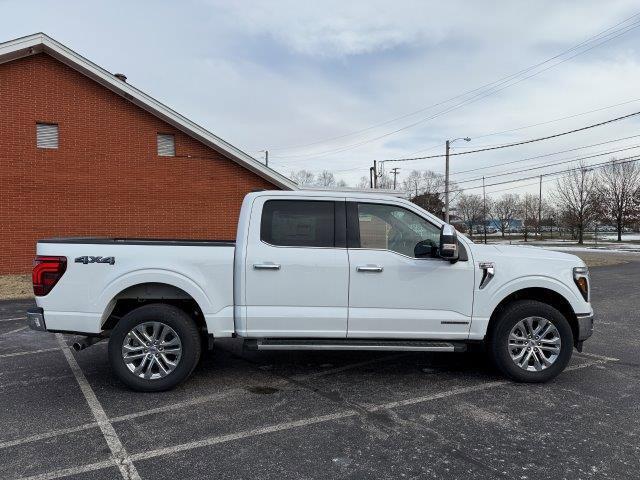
{"x":298,"y":223}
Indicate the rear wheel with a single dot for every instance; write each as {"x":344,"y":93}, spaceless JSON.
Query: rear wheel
{"x":154,"y":347}
{"x":531,"y":341}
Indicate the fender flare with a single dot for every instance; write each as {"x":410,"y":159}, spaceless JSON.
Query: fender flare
{"x":105,"y":301}
{"x":533,"y":281}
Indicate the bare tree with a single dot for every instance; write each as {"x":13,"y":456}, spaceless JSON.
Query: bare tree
{"x":363,"y":183}
{"x":303,"y":177}
{"x":426,"y":189}
{"x":470,"y":209}
{"x":341,"y":183}
{"x":575,"y":197}
{"x":528,"y":210}
{"x":326,"y":179}
{"x":505,"y":210}
{"x":618,"y":185}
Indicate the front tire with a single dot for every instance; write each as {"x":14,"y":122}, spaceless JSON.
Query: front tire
{"x":154,"y":347}
{"x":531,"y":342}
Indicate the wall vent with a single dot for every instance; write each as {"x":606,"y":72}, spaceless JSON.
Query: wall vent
{"x":47,"y":135}
{"x":166,"y":145}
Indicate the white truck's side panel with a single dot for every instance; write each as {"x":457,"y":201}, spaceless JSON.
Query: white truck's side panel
{"x":84,"y":295}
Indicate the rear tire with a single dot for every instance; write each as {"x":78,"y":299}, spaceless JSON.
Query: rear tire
{"x":531,"y":342}
{"x":154,"y":347}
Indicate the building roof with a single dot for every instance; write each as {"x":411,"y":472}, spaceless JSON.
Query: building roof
{"x":39,"y":43}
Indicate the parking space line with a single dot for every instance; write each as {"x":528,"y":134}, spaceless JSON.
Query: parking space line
{"x":29,"y":352}
{"x":66,"y":472}
{"x":14,"y":331}
{"x":11,"y":319}
{"x":118,"y":452}
{"x":49,"y":434}
{"x":601,"y":357}
{"x":242,"y":434}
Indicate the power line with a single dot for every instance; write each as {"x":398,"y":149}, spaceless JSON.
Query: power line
{"x":538,"y":167}
{"x":493,"y":84}
{"x":547,"y":122}
{"x":634,"y":158}
{"x":544,"y":155}
{"x":515,"y":144}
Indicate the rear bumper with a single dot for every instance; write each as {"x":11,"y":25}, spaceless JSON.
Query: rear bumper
{"x":35,"y":319}
{"x":585,"y":326}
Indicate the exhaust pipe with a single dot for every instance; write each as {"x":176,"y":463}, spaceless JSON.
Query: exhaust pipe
{"x":86,"y":342}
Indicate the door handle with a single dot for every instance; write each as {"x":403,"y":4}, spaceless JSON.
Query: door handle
{"x":266,"y":266}
{"x":369,"y":268}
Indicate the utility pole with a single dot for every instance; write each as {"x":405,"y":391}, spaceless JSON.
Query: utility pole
{"x":395,"y":172}
{"x":373,"y":175}
{"x":484,"y":210}
{"x":446,"y":183}
{"x":540,"y":209}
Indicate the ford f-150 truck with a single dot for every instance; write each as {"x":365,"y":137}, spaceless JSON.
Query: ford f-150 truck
{"x":314,"y":270}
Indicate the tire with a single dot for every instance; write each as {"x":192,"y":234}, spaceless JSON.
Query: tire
{"x":527,"y":370}
{"x":177,"y":342}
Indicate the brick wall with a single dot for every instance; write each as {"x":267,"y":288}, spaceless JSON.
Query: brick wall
{"x":106,"y":178}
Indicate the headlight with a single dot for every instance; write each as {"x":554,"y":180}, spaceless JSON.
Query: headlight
{"x":581,"y":277}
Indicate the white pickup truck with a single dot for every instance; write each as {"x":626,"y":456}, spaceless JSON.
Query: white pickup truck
{"x":314,"y":271}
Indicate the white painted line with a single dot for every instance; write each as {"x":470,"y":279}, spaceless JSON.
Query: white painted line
{"x":118,"y":452}
{"x":14,"y":331}
{"x":49,"y":434}
{"x":601,"y":357}
{"x":71,"y":471}
{"x":17,"y":354}
{"x":12,"y":319}
{"x":242,"y":434}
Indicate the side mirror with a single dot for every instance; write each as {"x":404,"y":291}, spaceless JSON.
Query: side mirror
{"x":448,"y":243}
{"x":424,"y":249}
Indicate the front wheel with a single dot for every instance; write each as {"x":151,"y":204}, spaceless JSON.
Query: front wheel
{"x":154,"y":347}
{"x":531,"y":342}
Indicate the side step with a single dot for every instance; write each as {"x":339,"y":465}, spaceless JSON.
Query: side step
{"x":354,"y":344}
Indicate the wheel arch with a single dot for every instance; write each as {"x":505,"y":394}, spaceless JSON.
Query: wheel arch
{"x":139,"y":294}
{"x":541,"y":294}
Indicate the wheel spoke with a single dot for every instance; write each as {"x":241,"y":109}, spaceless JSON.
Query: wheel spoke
{"x":156,"y":330}
{"x":132,"y":358}
{"x":151,"y":350}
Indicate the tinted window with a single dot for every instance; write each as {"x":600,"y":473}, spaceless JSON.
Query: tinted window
{"x":295,"y":223}
{"x":393,"y":228}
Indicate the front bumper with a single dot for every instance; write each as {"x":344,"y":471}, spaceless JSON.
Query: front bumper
{"x":585,"y":326}
{"x":35,"y":319}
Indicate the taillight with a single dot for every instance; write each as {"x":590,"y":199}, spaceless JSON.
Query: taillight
{"x":46,"y":273}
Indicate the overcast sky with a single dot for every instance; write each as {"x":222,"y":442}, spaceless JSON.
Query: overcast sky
{"x":322,"y":84}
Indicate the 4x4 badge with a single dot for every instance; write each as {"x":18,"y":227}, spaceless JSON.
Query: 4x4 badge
{"x":89,"y":259}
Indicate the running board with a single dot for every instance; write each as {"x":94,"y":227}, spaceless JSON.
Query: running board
{"x":354,"y":344}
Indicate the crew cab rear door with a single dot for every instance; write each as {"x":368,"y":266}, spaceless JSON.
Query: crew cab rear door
{"x":394,"y":294}
{"x":296,"y":268}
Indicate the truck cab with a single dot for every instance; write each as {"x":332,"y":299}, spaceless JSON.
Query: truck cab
{"x":326,"y":270}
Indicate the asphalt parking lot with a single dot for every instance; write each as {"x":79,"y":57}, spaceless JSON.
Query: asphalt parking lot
{"x":327,"y":415}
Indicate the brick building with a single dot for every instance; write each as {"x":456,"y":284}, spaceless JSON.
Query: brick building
{"x":84,"y":153}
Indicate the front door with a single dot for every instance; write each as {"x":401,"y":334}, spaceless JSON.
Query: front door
{"x":394,"y":294}
{"x":297,"y":269}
